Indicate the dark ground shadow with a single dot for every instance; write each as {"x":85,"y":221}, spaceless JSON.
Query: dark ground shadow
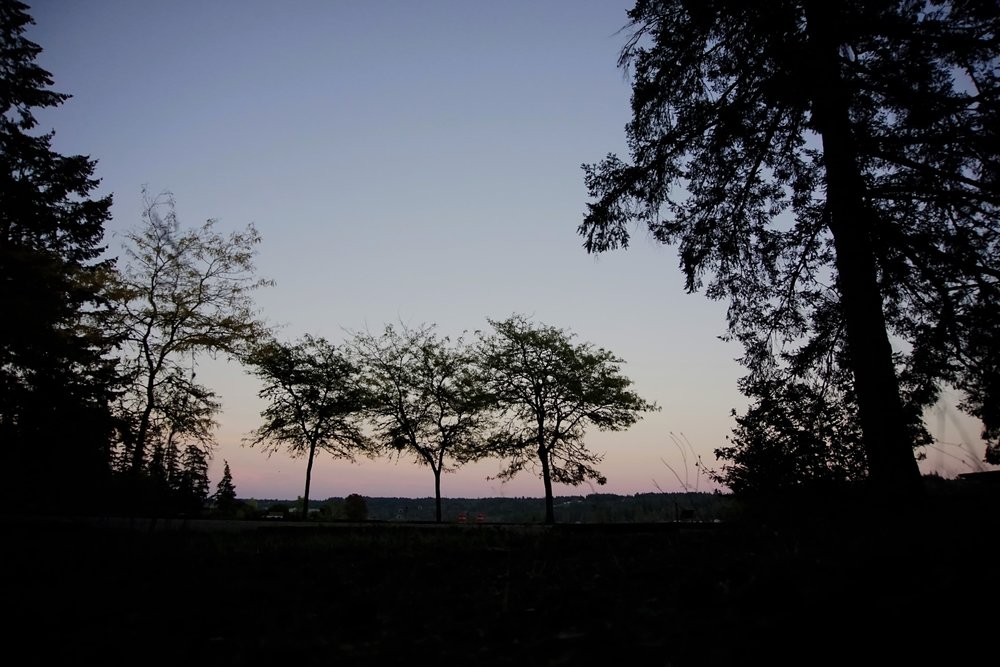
{"x":832,"y":586}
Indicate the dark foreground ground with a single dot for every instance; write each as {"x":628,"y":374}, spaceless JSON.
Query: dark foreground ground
{"x":803,"y":587}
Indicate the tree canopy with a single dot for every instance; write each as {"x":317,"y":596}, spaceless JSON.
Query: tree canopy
{"x":425,"y":397}
{"x":314,"y":402}
{"x":830,"y":169}
{"x":182,"y":293}
{"x":547,"y":390}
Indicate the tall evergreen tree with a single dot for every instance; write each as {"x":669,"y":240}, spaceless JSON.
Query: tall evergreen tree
{"x":193,"y":484}
{"x":55,"y":384}
{"x":830,"y":169}
{"x":225,"y":490}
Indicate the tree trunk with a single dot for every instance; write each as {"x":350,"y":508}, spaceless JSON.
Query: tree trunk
{"x":543,"y":456}
{"x":153,"y":366}
{"x":437,"y":494}
{"x":891,"y":464}
{"x":309,"y":470}
{"x":139,"y":449}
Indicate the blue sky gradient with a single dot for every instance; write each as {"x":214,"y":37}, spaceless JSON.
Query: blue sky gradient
{"x":414,"y":162}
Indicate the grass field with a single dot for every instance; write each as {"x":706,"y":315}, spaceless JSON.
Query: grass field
{"x":799,"y":587}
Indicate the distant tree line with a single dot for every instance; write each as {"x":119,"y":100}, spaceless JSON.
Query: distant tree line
{"x":590,"y":508}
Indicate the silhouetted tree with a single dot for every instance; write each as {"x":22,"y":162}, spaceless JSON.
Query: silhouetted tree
{"x":830,"y":168}
{"x":355,"y":507}
{"x":55,"y":385}
{"x":182,"y":293}
{"x":797,"y":433}
{"x":314,"y":403}
{"x":792,"y":436}
{"x":548,"y":389}
{"x":225,"y":491}
{"x":193,"y":484}
{"x":425,"y":397}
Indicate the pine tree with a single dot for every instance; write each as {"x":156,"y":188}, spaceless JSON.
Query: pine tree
{"x":225,"y":491}
{"x":55,"y":385}
{"x":193,"y":483}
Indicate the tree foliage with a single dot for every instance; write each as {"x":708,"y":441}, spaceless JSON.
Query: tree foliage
{"x":355,"y":507}
{"x":182,"y":293}
{"x":548,"y":389}
{"x":314,"y":402}
{"x":830,"y":169}
{"x":55,"y":384}
{"x":792,"y":436}
{"x":225,"y":491}
{"x":425,"y":397}
{"x":192,"y":480}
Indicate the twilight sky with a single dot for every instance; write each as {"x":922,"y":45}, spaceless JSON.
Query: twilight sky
{"x":414,"y":162}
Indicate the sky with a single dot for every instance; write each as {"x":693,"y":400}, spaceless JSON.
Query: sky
{"x":405,"y":163}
